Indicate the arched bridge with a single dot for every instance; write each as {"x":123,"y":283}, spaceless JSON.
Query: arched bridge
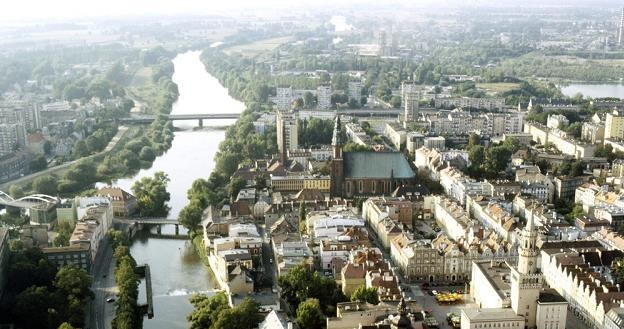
{"x":27,"y":201}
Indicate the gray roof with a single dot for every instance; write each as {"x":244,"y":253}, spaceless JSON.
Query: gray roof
{"x":377,"y":165}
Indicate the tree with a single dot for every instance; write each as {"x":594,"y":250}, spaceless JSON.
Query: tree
{"x":618,"y":268}
{"x":309,"y":315}
{"x":473,"y":140}
{"x":147,"y":154}
{"x":206,"y":310}
{"x":66,"y":325}
{"x":308,"y":99}
{"x":73,"y":286}
{"x":497,"y":158}
{"x":364,"y":294}
{"x":236,"y":184}
{"x":45,"y":185}
{"x":117,"y":238}
{"x":302,"y":211}
{"x":80,"y":150}
{"x":477,"y":155}
{"x":300,"y":283}
{"x":16,"y":191}
{"x":64,"y":234}
{"x":152,"y":195}
{"x":33,"y":306}
{"x":191,"y":215}
{"x":82,"y":173}
{"x":243,"y":316}
{"x":38,"y":163}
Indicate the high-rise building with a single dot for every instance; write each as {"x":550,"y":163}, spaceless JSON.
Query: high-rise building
{"x":287,"y":133}
{"x":284,"y":98}
{"x":410,"y":97}
{"x":614,"y":125}
{"x":11,"y":137}
{"x":323,"y":95}
{"x":355,"y":90}
{"x":621,"y":29}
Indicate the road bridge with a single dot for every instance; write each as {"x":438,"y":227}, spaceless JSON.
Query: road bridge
{"x":176,"y":117}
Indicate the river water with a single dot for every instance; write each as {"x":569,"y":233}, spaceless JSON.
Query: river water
{"x":594,"y":90}
{"x":176,"y":270}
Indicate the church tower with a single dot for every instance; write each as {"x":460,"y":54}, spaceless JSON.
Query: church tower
{"x":337,"y":164}
{"x":526,"y":280}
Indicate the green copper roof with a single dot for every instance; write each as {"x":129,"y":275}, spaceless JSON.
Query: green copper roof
{"x":376,"y":165}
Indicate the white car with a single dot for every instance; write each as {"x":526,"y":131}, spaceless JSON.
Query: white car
{"x":110,"y":299}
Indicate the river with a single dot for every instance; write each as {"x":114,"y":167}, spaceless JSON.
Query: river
{"x":594,"y":90}
{"x":177,"y":271}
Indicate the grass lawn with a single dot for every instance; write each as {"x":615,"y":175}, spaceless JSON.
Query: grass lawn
{"x":498,"y":87}
{"x":260,"y":46}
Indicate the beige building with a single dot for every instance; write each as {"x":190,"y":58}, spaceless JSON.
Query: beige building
{"x":614,"y":125}
{"x":490,"y":318}
{"x":543,"y":135}
{"x":583,"y":278}
{"x":416,"y":259}
{"x":350,"y":315}
{"x":123,"y":202}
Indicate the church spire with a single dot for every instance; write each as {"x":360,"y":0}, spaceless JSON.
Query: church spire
{"x":336,"y":138}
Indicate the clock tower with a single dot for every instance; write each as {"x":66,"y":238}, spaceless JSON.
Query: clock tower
{"x":526,"y":280}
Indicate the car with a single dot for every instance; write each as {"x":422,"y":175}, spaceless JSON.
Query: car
{"x":430,"y":292}
{"x":110,"y":299}
{"x":434,"y":292}
{"x":104,"y":276}
{"x":271,"y":260}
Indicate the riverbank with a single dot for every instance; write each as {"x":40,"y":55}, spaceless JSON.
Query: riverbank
{"x":123,"y":134}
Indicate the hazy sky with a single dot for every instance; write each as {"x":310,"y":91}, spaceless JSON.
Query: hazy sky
{"x":29,"y":9}
{"x":12,"y":10}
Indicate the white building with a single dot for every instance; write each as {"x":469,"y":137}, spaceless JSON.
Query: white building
{"x":410,"y":96}
{"x":557,"y":121}
{"x":437,"y":143}
{"x":323,"y":95}
{"x":284,"y":98}
{"x":287,"y":132}
{"x":355,"y":90}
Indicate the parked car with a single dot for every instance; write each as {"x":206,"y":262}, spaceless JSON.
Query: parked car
{"x":110,"y":299}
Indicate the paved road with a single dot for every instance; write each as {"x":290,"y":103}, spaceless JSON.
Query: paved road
{"x":101,"y":312}
{"x":113,"y":142}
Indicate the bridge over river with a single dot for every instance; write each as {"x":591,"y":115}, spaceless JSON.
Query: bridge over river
{"x":177,"y":117}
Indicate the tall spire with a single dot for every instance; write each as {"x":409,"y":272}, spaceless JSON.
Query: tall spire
{"x":336,"y":139}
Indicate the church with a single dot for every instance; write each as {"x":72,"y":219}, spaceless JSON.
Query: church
{"x":366,"y":173}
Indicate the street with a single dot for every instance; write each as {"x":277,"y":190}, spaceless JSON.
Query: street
{"x":102,"y":313}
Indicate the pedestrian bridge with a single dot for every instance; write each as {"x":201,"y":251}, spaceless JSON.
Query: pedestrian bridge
{"x":27,"y":202}
{"x":147,"y":220}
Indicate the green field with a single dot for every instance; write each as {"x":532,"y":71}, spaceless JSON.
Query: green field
{"x":258,"y":47}
{"x":499,"y":87}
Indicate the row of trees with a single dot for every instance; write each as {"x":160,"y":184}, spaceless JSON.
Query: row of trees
{"x":127,"y":314}
{"x":40,"y":295}
{"x":491,"y":161}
